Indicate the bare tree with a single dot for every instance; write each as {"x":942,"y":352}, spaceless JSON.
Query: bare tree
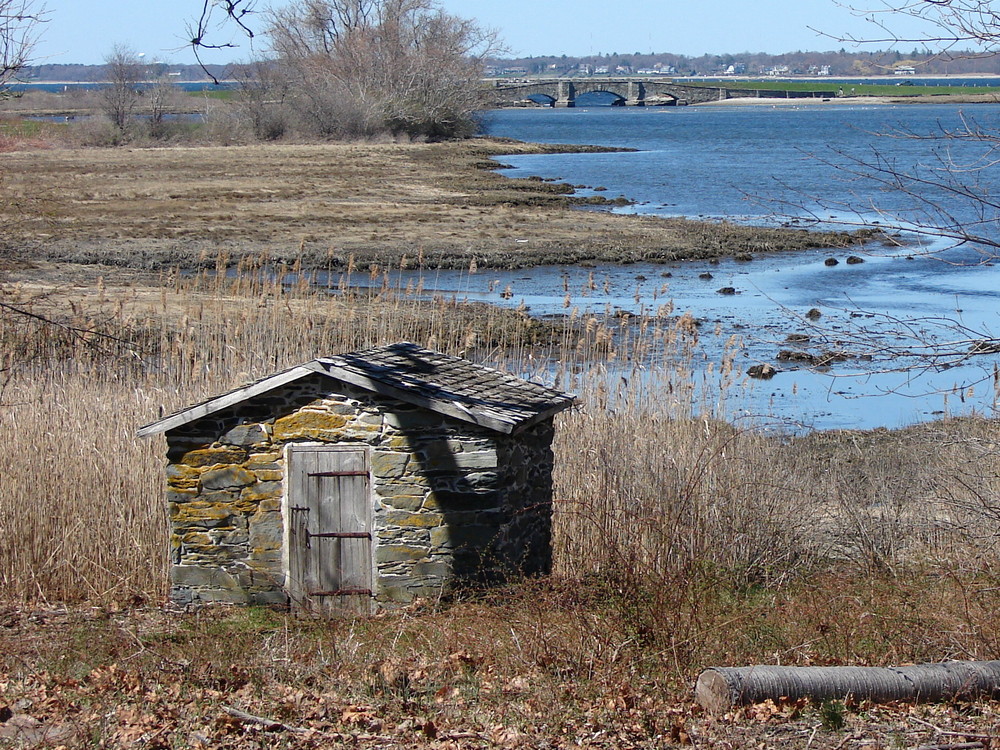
{"x":160,"y":97}
{"x":263,"y":93}
{"x":364,"y":65}
{"x":124,"y":74}
{"x":949,"y":193}
{"x":19,"y":27}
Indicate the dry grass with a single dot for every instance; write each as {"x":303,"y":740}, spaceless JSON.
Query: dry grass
{"x":548,"y":664}
{"x":650,"y":487}
{"x":681,"y":541}
{"x":323,"y":204}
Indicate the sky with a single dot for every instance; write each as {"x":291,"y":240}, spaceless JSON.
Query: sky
{"x":84,"y":31}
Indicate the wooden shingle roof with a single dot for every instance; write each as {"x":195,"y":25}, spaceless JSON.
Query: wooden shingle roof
{"x":448,"y":385}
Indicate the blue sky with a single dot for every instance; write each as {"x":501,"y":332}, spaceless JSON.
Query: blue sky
{"x":84,"y":31}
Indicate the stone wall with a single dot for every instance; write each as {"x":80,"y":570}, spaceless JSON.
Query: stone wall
{"x":453,"y":503}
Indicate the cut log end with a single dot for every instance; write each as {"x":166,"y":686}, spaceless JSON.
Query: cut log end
{"x":713,"y":693}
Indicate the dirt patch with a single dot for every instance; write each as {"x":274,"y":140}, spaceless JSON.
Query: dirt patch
{"x":328,"y":205}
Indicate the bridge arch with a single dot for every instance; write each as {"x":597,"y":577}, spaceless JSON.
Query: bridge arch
{"x":546,"y":100}
{"x":633,"y":92}
{"x":600,"y":97}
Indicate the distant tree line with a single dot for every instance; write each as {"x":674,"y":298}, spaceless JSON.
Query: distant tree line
{"x":841,"y":62}
{"x":49,"y":72}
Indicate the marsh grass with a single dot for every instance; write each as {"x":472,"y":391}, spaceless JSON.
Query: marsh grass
{"x":681,"y":541}
{"x":668,"y":519}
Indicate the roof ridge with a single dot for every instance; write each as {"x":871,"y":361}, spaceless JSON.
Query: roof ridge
{"x":405,"y":371}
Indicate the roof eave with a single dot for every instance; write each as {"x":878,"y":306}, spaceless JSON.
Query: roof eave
{"x":545,"y":415}
{"x":206,"y":408}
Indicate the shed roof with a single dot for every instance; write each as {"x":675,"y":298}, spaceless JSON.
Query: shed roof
{"x":451,"y":386}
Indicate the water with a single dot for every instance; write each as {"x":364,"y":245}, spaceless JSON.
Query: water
{"x":779,"y":165}
{"x":64,"y":87}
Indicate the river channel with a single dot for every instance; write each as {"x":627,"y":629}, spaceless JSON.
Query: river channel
{"x":909,"y":316}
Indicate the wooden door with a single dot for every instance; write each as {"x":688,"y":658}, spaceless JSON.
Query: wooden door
{"x":329,"y":530}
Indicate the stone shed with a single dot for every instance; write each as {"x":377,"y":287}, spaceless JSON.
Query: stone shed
{"x":360,"y":481}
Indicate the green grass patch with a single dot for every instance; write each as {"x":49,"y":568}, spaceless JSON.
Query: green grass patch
{"x":219,"y":94}
{"x":22,"y":128}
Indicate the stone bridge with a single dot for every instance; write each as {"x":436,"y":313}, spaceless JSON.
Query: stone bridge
{"x":632,"y":92}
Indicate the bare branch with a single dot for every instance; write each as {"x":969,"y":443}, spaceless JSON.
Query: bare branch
{"x":948,"y":24}
{"x":20,"y":21}
{"x":214,"y":15}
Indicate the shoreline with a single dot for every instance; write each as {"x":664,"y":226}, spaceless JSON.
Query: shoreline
{"x":335,"y":206}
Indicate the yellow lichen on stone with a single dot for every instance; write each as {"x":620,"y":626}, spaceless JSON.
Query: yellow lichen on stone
{"x":404,"y":518}
{"x":179,"y":475}
{"x":177,"y":493}
{"x":213,"y":456}
{"x":271,"y":504}
{"x":263,"y":458}
{"x":309,"y":424}
{"x":262,"y":493}
{"x":200,"y":512}
{"x":269,"y":475}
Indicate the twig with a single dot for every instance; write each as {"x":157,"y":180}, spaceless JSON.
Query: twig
{"x":969,"y":736}
{"x":954,"y":746}
{"x":812,"y":736}
{"x":269,"y":724}
{"x":952,"y":733}
{"x":937,"y":729}
{"x":75,"y":330}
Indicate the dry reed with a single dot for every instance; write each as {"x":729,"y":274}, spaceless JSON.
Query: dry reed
{"x":651,"y":488}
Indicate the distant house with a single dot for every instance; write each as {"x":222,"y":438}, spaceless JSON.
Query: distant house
{"x":360,"y":481}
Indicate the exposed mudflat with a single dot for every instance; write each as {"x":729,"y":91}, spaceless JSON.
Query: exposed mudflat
{"x":329,"y":205}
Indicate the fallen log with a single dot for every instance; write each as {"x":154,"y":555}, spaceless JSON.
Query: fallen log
{"x":720,"y":688}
